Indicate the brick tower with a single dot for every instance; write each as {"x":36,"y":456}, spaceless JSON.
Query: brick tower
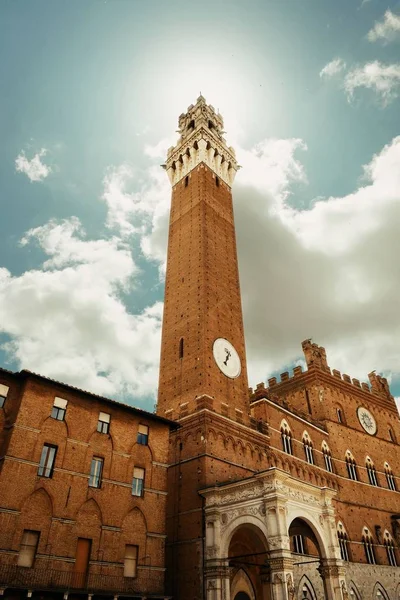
{"x":203,"y":360}
{"x":203,"y":375}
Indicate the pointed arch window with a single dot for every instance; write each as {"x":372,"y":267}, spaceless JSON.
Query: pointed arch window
{"x":371,"y":472}
{"x":308,"y":448}
{"x":351,"y":466}
{"x":368,"y":544}
{"x":327,"y":457}
{"x":390,"y":551}
{"x":390,"y":478}
{"x":343,"y":542}
{"x":286,"y":436}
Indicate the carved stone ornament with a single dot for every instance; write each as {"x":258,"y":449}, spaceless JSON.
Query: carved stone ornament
{"x":345,"y":593}
{"x":290,"y":588}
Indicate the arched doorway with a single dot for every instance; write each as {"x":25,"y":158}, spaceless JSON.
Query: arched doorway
{"x":248,"y":559}
{"x":306,"y":553}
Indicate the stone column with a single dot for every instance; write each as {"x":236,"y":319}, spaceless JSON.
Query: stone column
{"x":281,"y":578}
{"x":217,"y":579}
{"x":332,"y":575}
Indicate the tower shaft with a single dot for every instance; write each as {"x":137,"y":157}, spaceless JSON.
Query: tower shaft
{"x":202,"y":291}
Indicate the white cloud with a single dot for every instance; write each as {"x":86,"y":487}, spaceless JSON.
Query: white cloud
{"x":35,"y":169}
{"x":67,"y":320}
{"x":382,"y":79}
{"x":128,"y":211}
{"x":329,"y":272}
{"x":335,"y":67}
{"x":388,"y":29}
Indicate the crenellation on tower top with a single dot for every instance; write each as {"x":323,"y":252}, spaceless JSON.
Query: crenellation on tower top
{"x":201,"y":140}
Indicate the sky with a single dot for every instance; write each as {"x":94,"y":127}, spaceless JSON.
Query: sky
{"x":90,"y":95}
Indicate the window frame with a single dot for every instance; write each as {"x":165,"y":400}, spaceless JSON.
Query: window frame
{"x":343,"y":545}
{"x":299,"y":546}
{"x":143,"y":437}
{"x":351,"y":468}
{"x":373,"y":480}
{"x":22,"y":545}
{"x":391,"y":554}
{"x":43,"y":469}
{"x":93,"y":477}
{"x":103,"y":422}
{"x":59,"y":409}
{"x":134,"y":560}
{"x":137,"y":488}
{"x":308,"y":451}
{"x":327,"y":459}
{"x":369,"y":549}
{"x":286,"y":437}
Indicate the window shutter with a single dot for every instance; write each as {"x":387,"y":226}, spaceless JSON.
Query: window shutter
{"x":60,"y":403}
{"x":131,"y":554}
{"x":4,"y":390}
{"x":105,"y":417}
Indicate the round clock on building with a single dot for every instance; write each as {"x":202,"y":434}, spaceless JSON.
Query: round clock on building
{"x":367,"y":420}
{"x":227,"y":358}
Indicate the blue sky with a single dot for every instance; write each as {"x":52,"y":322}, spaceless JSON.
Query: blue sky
{"x":90,"y":96}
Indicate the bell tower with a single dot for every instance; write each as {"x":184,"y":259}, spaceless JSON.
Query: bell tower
{"x":203,"y":360}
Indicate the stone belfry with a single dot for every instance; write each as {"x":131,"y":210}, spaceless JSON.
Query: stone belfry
{"x":203,"y":361}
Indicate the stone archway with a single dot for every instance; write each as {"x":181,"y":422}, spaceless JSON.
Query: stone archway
{"x":247,"y":557}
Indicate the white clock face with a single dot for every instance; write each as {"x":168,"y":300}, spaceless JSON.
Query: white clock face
{"x":226,"y":358}
{"x":367,"y":420}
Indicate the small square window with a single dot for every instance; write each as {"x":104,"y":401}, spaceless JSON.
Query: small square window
{"x":47,"y":461}
{"x":3,"y":394}
{"x":103,"y":425}
{"x":138,"y":482}
{"x":143,"y":435}
{"x":96,"y":471}
{"x":59,"y":409}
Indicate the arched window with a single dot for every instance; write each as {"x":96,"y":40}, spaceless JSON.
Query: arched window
{"x":308,"y":448}
{"x":371,"y":471}
{"x":351,"y":466}
{"x":389,"y":545}
{"x":339,"y":415}
{"x":286,"y":436}
{"x":327,"y":457}
{"x":368,"y":544}
{"x":390,"y":477}
{"x":343,"y":542}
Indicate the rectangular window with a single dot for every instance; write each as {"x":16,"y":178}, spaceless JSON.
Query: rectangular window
{"x":103,"y":425}
{"x":391,"y":555}
{"x":59,"y":408}
{"x":47,"y":460}
{"x":27,"y":551}
{"x":130,"y":562}
{"x":96,"y":470}
{"x":143,"y":435}
{"x":344,"y":553}
{"x":298,"y":544}
{"x":3,"y":394}
{"x":328,"y":462}
{"x":391,"y":481}
{"x":138,"y":482}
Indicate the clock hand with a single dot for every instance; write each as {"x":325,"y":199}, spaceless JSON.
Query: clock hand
{"x":228,"y":355}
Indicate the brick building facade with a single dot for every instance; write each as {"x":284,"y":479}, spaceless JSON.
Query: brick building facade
{"x":285,"y":492}
{"x":83,"y":487}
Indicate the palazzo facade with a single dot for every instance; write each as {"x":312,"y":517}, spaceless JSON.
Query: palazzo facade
{"x":285,"y":492}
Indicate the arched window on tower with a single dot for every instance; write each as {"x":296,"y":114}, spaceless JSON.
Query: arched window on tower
{"x":371,"y":471}
{"x":390,"y":551}
{"x":343,"y":542}
{"x":351,"y":466}
{"x":368,"y":544}
{"x":286,"y":436}
{"x":390,"y":477}
{"x":191,"y":125}
{"x":327,"y":457}
{"x":308,"y":448}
